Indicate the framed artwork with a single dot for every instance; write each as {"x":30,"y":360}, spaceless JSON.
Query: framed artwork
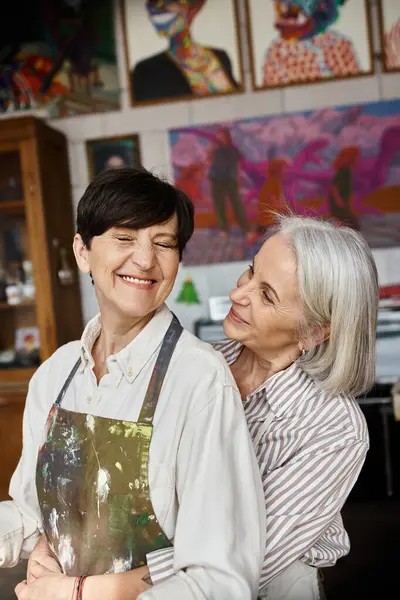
{"x":112,"y":153}
{"x":61,"y":57}
{"x":389,"y":18}
{"x":186,"y":49}
{"x":296,"y":42}
{"x":339,"y":163}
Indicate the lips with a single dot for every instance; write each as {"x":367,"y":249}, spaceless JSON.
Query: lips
{"x":236,"y":317}
{"x":291,"y":19}
{"x":163,"y":19}
{"x":137,"y":280}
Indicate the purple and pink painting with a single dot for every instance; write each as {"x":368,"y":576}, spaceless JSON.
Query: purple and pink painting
{"x":339,"y":163}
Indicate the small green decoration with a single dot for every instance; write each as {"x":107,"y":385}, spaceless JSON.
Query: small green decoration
{"x":188,"y":294}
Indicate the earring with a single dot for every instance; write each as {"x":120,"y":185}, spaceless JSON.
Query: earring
{"x":302,"y":350}
{"x":91,"y":277}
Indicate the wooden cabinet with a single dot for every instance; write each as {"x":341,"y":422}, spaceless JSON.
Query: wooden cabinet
{"x":39,"y":310}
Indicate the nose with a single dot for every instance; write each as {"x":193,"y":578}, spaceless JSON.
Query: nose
{"x":241,"y":294}
{"x":144,"y":257}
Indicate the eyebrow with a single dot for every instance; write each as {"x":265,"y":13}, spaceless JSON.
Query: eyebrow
{"x":267,"y":286}
{"x":172,"y":236}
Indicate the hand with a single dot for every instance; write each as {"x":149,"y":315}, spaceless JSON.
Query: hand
{"x":42,"y":556}
{"x":47,"y":586}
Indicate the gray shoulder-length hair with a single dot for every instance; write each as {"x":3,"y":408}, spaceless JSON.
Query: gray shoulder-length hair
{"x":338,"y":285}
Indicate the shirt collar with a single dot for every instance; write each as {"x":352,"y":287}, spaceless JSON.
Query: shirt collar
{"x":131,"y":359}
{"x":284,"y":391}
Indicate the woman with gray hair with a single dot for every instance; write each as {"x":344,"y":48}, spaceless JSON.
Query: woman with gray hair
{"x":302,"y":348}
{"x":302,"y":329}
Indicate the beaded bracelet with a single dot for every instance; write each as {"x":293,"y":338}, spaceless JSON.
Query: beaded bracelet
{"x":77,"y":591}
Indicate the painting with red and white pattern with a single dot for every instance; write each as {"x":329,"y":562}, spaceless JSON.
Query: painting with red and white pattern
{"x":308,"y":41}
{"x":390,"y":34}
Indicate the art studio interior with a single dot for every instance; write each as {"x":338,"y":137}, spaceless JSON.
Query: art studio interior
{"x":247,"y":111}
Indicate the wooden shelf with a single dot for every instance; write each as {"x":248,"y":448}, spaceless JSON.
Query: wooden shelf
{"x":12,"y":207}
{"x":25,"y":304}
{"x":15,"y":381}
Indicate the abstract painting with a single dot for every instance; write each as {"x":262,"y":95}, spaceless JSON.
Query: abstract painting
{"x":59,"y":55}
{"x":308,"y":41}
{"x":389,"y":13}
{"x":112,"y":153}
{"x":183,"y":49}
{"x":340,"y":163}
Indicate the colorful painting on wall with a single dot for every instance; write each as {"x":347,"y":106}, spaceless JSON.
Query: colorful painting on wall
{"x":389,"y":13}
{"x":59,"y":55}
{"x":308,"y":41}
{"x":339,"y":163}
{"x":186,"y":49}
{"x":112,"y":153}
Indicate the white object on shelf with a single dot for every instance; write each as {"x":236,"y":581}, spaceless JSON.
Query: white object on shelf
{"x":219,"y":307}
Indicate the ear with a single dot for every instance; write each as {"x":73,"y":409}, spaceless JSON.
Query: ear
{"x":325,"y":332}
{"x":320,"y":335}
{"x":81,"y":254}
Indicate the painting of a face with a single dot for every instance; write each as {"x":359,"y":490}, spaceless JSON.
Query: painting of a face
{"x":302,"y":19}
{"x":112,"y":153}
{"x":168,"y":17}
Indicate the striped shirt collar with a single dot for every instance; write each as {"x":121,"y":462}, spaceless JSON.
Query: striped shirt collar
{"x":285,"y":392}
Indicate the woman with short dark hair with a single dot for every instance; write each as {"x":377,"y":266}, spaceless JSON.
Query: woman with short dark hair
{"x":135,"y":439}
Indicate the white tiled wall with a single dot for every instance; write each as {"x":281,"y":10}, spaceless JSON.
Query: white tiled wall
{"x":153,"y":123}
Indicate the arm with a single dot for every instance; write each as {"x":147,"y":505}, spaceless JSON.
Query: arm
{"x":303,"y":498}
{"x":20,"y":520}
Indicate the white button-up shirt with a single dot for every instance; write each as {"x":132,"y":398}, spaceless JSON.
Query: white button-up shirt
{"x":205,"y":484}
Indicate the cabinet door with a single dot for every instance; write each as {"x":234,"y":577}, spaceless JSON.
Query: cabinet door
{"x":11,"y":412}
{"x":20,"y":334}
{"x":19,"y":330}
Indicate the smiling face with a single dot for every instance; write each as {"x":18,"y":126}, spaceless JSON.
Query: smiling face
{"x":291,"y":21}
{"x":302,"y":19}
{"x":133,"y":270}
{"x":266,"y":308}
{"x":171,"y":17}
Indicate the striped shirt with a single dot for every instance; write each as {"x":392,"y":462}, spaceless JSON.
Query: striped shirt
{"x":310,"y":448}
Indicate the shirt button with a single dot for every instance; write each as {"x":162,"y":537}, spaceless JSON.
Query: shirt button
{"x":89,"y":399}
{"x":130,"y":372}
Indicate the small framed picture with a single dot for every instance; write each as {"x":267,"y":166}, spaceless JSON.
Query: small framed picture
{"x":294,"y":43}
{"x":186,"y":49}
{"x":389,"y":18}
{"x":112,"y":153}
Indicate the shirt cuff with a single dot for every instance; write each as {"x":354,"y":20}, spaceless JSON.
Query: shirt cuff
{"x":161,"y":565}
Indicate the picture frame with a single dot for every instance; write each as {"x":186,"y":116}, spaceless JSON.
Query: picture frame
{"x":63,"y":61}
{"x":336,"y":163}
{"x":112,"y":152}
{"x":294,"y":55}
{"x":156,"y":75}
{"x":389,"y":29}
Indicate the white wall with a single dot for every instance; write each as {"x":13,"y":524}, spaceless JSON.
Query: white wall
{"x":153,"y":123}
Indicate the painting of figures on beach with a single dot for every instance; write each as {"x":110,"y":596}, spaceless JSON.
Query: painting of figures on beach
{"x":59,"y":55}
{"x":340,"y":163}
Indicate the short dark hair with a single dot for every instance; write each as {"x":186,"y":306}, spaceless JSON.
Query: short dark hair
{"x":133,"y":198}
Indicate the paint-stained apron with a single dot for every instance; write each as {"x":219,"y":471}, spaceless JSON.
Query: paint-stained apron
{"x":92,"y":482}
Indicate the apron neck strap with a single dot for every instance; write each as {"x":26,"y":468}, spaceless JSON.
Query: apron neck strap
{"x":160,"y":369}
{"x":64,"y":388}
{"x":157,"y":377}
